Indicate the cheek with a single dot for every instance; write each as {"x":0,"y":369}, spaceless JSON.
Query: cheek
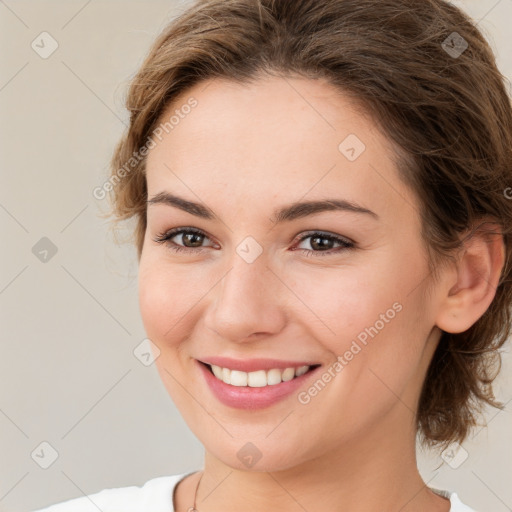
{"x":388,"y":342}
{"x":165,"y":301}
{"x":340,"y":303}
{"x":155,"y":303}
{"x":374,"y":316}
{"x":169,"y":297}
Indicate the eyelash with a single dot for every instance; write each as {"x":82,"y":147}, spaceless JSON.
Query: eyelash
{"x":164,"y":238}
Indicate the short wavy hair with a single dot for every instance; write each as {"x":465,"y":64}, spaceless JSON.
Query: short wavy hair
{"x":429,"y":80}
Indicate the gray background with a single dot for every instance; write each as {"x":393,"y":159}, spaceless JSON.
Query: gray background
{"x":70,"y":324}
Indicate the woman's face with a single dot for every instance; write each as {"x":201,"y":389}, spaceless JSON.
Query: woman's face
{"x":244,"y":287}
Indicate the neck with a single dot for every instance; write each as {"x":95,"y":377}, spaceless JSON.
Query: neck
{"x":375,"y":471}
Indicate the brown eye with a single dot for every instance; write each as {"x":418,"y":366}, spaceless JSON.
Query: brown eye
{"x":191,"y":238}
{"x":322,"y":244}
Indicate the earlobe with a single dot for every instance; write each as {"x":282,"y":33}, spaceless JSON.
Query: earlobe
{"x":478,"y":271}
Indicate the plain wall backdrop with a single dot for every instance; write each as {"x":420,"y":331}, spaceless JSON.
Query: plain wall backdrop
{"x":68,"y":294}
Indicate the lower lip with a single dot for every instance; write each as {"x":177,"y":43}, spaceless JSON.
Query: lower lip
{"x":246,"y":397}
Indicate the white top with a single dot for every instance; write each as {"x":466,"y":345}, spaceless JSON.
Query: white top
{"x":156,"y":496}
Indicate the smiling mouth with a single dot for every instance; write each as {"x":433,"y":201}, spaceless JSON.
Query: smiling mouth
{"x":258,"y":378}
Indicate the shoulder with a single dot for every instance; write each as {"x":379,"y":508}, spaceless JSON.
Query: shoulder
{"x":455,"y":504}
{"x":154,"y":495}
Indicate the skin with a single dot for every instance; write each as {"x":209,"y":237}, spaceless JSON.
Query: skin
{"x":242,"y":152}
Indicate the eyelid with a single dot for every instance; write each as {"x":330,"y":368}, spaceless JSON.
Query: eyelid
{"x":326,"y":234}
{"x":346,"y":243}
{"x":166,"y":235}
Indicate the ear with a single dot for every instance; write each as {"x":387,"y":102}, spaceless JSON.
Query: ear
{"x":472,"y":287}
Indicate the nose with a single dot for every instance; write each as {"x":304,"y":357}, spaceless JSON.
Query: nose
{"x":246,"y":302}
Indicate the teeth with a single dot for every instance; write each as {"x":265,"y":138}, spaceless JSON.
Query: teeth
{"x":217,"y":371}
{"x":259,"y":378}
{"x":237,"y":378}
{"x":274,"y":377}
{"x":256,"y":379}
{"x":301,"y":371}
{"x":288,"y":374}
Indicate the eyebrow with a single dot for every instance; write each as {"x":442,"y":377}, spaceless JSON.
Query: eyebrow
{"x":287,"y":213}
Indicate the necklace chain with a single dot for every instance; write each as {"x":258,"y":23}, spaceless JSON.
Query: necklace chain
{"x":194,"y":509}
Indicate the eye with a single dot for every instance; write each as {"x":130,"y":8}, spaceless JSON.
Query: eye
{"x":191,"y":236}
{"x":324,"y":243}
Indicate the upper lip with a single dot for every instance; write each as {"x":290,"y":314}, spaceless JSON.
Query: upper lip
{"x":251,"y":365}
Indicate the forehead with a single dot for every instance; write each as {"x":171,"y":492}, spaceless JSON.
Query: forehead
{"x":274,"y":137}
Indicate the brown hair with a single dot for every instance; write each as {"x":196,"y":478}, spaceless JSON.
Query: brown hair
{"x":443,"y":106}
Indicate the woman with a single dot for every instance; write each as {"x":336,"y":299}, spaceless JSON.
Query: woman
{"x":308,"y":370}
